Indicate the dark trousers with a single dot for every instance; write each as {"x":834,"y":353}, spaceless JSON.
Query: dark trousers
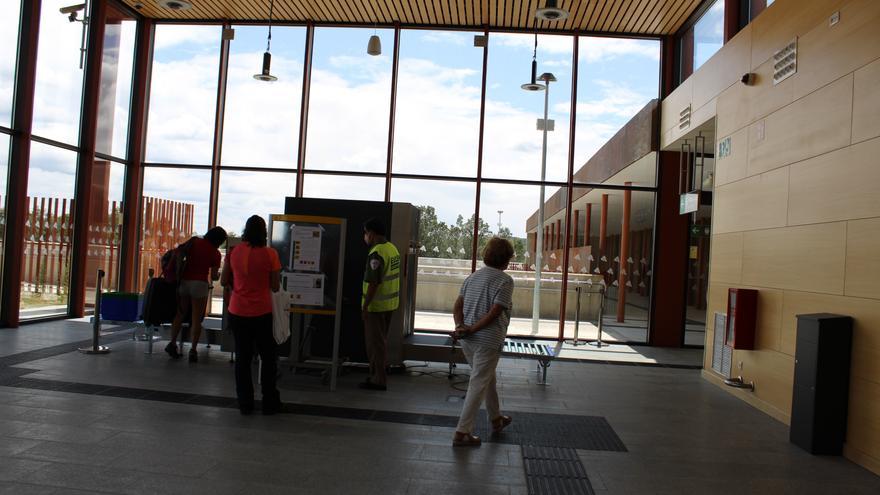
{"x":255,"y":332}
{"x":376,"y":327}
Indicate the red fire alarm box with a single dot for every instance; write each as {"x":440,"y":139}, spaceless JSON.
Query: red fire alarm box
{"x":742,"y":318}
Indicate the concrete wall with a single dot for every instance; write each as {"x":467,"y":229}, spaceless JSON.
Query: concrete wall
{"x":797,"y":205}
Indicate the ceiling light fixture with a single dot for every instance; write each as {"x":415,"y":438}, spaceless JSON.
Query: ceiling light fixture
{"x":533,"y":85}
{"x":175,"y":4}
{"x":374,"y":46}
{"x":267,"y":57}
{"x":551,"y":12}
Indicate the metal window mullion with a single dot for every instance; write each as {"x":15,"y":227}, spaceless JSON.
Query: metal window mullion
{"x":219,"y":114}
{"x":570,"y":187}
{"x":474,"y":241}
{"x":304,"y":107}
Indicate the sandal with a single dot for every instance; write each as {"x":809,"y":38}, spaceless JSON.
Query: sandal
{"x":465,"y":440}
{"x":500,"y":423}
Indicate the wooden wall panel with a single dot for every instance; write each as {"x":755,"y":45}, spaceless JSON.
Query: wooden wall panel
{"x":758,"y":202}
{"x":783,"y":20}
{"x":823,"y":188}
{"x":822,"y":119}
{"x":769,"y":326}
{"x":863,"y":427}
{"x":808,"y":258}
{"x":863,"y":256}
{"x":726,"y":253}
{"x":828,"y":51}
{"x":865,"y":312}
{"x":765,"y":97}
{"x":733,"y":113}
{"x":866,"y":103}
{"x":734,"y":166}
{"x":773,"y":374}
{"x":724,"y":68}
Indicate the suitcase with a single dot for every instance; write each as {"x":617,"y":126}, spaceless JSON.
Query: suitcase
{"x":160,"y":301}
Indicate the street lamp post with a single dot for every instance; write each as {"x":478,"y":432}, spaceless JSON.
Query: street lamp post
{"x":499,"y":221}
{"x":539,"y":237}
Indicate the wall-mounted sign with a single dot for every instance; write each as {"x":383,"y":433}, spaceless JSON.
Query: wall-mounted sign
{"x":689,"y":202}
{"x":724,"y":148}
{"x":694,"y":253}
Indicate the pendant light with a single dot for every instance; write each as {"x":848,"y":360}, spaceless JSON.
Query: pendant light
{"x":267,"y":57}
{"x":374,"y":46}
{"x":533,"y":85}
{"x":551,"y":12}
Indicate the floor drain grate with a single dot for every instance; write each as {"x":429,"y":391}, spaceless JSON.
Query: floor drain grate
{"x":554,"y":471}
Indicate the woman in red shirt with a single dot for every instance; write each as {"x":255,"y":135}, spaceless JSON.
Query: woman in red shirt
{"x":253,"y":271}
{"x":202,"y":261}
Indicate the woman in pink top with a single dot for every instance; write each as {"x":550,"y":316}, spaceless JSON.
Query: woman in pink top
{"x":252,"y":271}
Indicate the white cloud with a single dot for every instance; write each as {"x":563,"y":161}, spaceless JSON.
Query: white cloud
{"x":174,"y":36}
{"x":448,"y":38}
{"x":591,"y":49}
{"x":616,"y":100}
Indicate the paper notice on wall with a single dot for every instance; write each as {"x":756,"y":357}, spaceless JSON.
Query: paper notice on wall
{"x":306,"y":289}
{"x":305,"y":247}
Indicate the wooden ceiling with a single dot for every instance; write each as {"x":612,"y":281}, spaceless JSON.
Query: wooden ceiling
{"x":636,"y":17}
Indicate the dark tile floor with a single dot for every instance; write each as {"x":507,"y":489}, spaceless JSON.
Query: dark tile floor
{"x":682,"y":434}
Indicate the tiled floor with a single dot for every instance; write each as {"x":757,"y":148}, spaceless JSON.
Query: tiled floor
{"x":682,"y":434}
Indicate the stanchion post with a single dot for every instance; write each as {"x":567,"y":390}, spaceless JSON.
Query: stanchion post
{"x":577,"y":317}
{"x":599,"y":342}
{"x":96,"y":348}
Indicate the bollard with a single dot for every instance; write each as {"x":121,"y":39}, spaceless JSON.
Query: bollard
{"x":577,"y":318}
{"x":96,"y":322}
{"x":598,"y":343}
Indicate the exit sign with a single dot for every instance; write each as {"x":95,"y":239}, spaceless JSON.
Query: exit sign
{"x":689,"y":202}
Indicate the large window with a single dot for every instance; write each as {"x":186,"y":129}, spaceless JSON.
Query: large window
{"x":349,"y":101}
{"x":58,"y":91}
{"x":511,"y":212}
{"x":105,"y":226}
{"x":9,"y":21}
{"x":611,"y":252}
{"x":183,"y":94}
{"x":446,"y":235}
{"x":616,"y":79}
{"x":437,"y":123}
{"x":344,"y":187}
{"x":512,"y":144}
{"x":261,"y":124}
{"x":45,"y":279}
{"x":709,"y":33}
{"x":4,"y":170}
{"x":174,"y":208}
{"x":115,"y":93}
{"x":243,"y":194}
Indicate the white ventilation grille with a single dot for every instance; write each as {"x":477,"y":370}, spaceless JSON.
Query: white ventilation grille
{"x":722,"y":355}
{"x":785,"y":62}
{"x":684,"y":117}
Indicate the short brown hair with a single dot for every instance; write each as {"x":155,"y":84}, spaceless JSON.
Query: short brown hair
{"x":498,"y":253}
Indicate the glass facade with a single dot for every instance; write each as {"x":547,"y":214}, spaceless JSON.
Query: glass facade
{"x":183,"y":94}
{"x":58,"y":92}
{"x":261,"y":123}
{"x":435,"y":149}
{"x":350,"y":100}
{"x":48,"y":237}
{"x":9,"y":20}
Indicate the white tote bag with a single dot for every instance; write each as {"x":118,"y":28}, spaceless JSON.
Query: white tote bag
{"x":281,"y":316}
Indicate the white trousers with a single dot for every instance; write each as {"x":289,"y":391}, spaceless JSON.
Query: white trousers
{"x":483,"y":361}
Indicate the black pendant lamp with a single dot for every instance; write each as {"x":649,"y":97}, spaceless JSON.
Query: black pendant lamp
{"x":533,"y":84}
{"x":264,"y":75}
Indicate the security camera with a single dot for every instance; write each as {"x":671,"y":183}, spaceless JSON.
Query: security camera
{"x":71,"y":11}
{"x":138,"y":5}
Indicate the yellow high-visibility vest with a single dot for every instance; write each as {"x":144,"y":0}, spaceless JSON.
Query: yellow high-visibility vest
{"x":387,"y":296}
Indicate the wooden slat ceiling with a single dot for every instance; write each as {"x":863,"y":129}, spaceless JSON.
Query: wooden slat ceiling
{"x":637,"y":17}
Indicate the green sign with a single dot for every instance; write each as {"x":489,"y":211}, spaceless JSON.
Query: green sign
{"x":699,"y":230}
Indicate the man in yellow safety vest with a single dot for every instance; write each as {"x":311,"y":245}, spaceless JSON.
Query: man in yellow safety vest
{"x":381,"y":296}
